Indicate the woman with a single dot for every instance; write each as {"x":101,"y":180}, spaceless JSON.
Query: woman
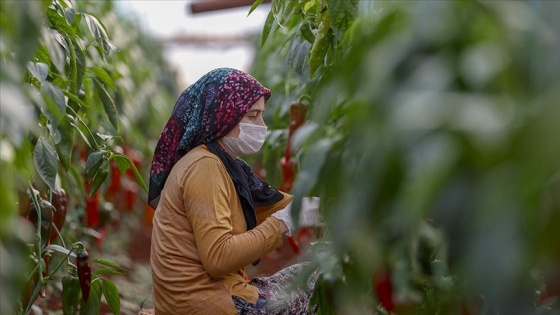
{"x":213,"y":214}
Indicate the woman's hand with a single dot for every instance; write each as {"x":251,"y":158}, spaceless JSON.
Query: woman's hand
{"x":285,"y":218}
{"x":308,"y":217}
{"x":283,"y":227}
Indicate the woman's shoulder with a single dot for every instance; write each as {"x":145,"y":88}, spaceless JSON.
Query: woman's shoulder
{"x":198,"y":156}
{"x":198,"y":153}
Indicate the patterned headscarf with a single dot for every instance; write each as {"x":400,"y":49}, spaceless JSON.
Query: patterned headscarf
{"x":206,"y":111}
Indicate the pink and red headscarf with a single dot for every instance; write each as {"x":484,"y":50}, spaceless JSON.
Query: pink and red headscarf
{"x":206,"y":111}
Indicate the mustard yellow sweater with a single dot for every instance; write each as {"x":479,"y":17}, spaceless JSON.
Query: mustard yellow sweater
{"x":200,"y":245}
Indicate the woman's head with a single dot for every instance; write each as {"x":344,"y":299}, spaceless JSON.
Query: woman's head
{"x":247,"y":137}
{"x":206,"y":111}
{"x":215,"y":104}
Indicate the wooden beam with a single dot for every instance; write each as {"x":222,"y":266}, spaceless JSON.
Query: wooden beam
{"x":216,"y":5}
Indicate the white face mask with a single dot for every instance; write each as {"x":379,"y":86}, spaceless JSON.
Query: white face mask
{"x":250,"y":140}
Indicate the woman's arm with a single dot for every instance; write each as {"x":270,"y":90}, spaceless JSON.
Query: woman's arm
{"x":207,"y":191}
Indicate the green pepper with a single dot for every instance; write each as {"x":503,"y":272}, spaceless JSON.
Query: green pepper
{"x":70,"y":294}
{"x":320,"y":45}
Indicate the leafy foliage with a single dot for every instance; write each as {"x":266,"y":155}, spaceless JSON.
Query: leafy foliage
{"x":78,"y":83}
{"x":431,"y":144}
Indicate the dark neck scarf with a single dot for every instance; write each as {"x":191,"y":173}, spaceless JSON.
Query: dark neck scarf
{"x":205,"y":112}
{"x":252,"y":190}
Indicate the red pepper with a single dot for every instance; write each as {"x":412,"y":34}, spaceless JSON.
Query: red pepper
{"x":84,"y":273}
{"x":46,"y":209}
{"x":384,"y":289}
{"x":297,"y":117}
{"x":92,"y":210}
{"x":60,"y":204}
{"x":294,"y":244}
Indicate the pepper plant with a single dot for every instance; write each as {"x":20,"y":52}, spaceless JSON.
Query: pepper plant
{"x":77,"y":104}
{"x":430,"y":138}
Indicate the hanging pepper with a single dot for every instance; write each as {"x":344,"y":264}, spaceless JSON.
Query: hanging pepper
{"x":70,"y":294}
{"x":297,"y":118}
{"x":25,"y":203}
{"x":384,"y":289}
{"x":60,"y":204}
{"x":46,"y":209}
{"x":84,"y":273}
{"x":92,"y":210}
{"x":294,"y":244}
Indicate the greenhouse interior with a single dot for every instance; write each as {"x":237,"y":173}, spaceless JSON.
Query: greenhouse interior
{"x":279,"y":157}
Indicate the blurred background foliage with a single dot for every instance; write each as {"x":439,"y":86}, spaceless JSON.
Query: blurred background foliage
{"x":79,"y":82}
{"x":431,"y":140}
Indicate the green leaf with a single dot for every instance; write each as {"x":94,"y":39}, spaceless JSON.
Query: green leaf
{"x":43,"y":55}
{"x":93,"y":163}
{"x":343,"y":13}
{"x":82,"y":133}
{"x":92,"y":306}
{"x":137,"y":175}
{"x":80,"y":64}
{"x":56,"y":50}
{"x":39,"y":70}
{"x":102,"y":75}
{"x":311,"y":166}
{"x":46,"y":161}
{"x":59,"y":22}
{"x":54,"y":98}
{"x":111,"y":293}
{"x":65,"y":145}
{"x":60,"y":39}
{"x":108,"y":264}
{"x":70,"y":15}
{"x":308,"y":5}
{"x":108,"y":104}
{"x":297,"y":57}
{"x":254,"y":6}
{"x":118,"y":157}
{"x":121,"y":160}
{"x":99,"y":177}
{"x":75,"y":98}
{"x":99,"y":34}
{"x":267,"y":27}
{"x":70,"y":294}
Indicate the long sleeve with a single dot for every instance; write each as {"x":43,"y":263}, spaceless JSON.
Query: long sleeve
{"x":212,"y":208}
